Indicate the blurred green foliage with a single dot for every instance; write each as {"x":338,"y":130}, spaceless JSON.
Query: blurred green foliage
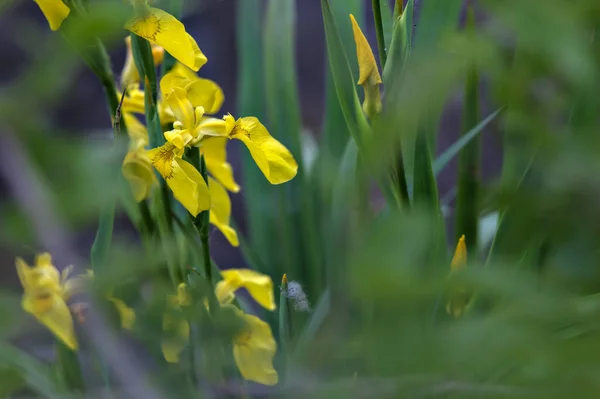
{"x":376,"y":276}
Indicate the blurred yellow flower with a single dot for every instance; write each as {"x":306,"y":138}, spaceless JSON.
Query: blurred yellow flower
{"x":259,"y":286}
{"x":369,"y":73}
{"x":254,"y":349}
{"x":176,"y":329}
{"x":46,"y":293}
{"x":163,"y":29}
{"x":460,"y":298}
{"x":187,"y":184}
{"x":55,"y":12}
{"x":137,"y":168}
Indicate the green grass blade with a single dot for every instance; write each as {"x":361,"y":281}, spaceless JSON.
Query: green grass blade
{"x":425,"y":192}
{"x":376,"y":6}
{"x":283,"y":111}
{"x":469,"y":165}
{"x":68,"y":368}
{"x":259,"y":198}
{"x":312,"y":328}
{"x":343,"y":79}
{"x":387,"y":20}
{"x":399,"y":48}
{"x":335,"y":131}
{"x":436,"y":19}
{"x":443,"y":160}
{"x":285,"y":322}
{"x":37,"y":375}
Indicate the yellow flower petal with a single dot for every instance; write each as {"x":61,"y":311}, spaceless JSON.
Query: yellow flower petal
{"x":459,"y":260}
{"x":215,"y":155}
{"x":274,"y":160}
{"x":56,"y":317}
{"x":24,"y":272}
{"x":182,"y":107}
{"x":133,"y":101}
{"x":138,"y":134}
{"x":220,"y":211}
{"x":224,"y":291}
{"x":176,"y":336}
{"x":369,"y":73}
{"x":163,"y":29}
{"x":183,"y":179}
{"x":253,"y":350}
{"x":259,"y":286}
{"x":55,"y":12}
{"x":201,"y":92}
{"x":206,"y":93}
{"x":137,"y":169}
{"x":126,"y":314}
{"x":366,"y":60}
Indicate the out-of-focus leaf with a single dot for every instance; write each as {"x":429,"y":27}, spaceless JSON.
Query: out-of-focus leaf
{"x":469,"y":167}
{"x":36,"y":375}
{"x":436,"y":19}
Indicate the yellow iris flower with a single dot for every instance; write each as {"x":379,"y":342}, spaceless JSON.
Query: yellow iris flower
{"x":161,"y":28}
{"x":460,"y":299}
{"x":253,"y":344}
{"x":175,"y":327}
{"x":369,"y":73}
{"x":259,"y":286}
{"x":46,"y":292}
{"x":137,"y":168}
{"x":153,"y":24}
{"x":254,"y":349}
{"x":187,"y":184}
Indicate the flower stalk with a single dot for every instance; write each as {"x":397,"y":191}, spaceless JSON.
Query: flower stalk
{"x":379,"y":32}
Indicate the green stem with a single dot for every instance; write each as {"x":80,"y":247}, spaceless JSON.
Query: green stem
{"x":379,"y":32}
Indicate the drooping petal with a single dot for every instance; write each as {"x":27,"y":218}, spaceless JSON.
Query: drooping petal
{"x":176,"y":336}
{"x":183,"y":179}
{"x":274,"y":160}
{"x":138,"y":134}
{"x":126,"y":314}
{"x":55,"y":12}
{"x":137,"y":169}
{"x":215,"y":155}
{"x":133,"y":101}
{"x":163,"y":29}
{"x":55,"y":316}
{"x":220,"y":211}
{"x":253,"y":351}
{"x":459,"y":260}
{"x":259,"y":286}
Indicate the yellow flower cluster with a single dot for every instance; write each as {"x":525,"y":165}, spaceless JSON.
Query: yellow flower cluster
{"x":186,"y":105}
{"x":47,"y":292}
{"x":253,"y":344}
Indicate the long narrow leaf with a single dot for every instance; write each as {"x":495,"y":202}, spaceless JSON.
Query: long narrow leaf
{"x":469,"y":166}
{"x":440,"y":163}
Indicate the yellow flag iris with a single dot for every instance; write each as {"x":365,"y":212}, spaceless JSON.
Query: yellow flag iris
{"x":161,"y":28}
{"x":254,"y":349}
{"x":215,"y":156}
{"x":187,"y":184}
{"x":369,"y":73}
{"x":259,"y":286}
{"x":55,"y":12}
{"x":273,"y":159}
{"x":176,"y":329}
{"x":45,"y":296}
{"x":137,"y":168}
{"x":460,"y":298}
